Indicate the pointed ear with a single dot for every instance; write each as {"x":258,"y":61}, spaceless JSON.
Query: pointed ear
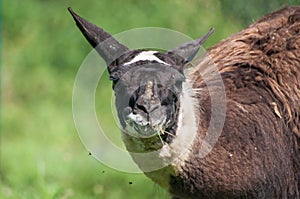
{"x":188,"y":50}
{"x":107,"y":46}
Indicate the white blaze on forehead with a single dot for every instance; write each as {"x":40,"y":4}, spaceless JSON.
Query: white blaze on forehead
{"x":146,"y":56}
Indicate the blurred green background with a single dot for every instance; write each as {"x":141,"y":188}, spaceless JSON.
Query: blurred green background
{"x":41,"y":153}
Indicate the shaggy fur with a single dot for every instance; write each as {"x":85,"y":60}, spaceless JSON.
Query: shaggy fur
{"x":257,"y":154}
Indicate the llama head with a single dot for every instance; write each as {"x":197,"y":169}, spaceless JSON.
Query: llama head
{"x":147,"y":84}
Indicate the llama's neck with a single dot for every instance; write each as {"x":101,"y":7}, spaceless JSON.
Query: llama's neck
{"x":178,"y":151}
{"x":187,"y":127}
{"x":174,"y":154}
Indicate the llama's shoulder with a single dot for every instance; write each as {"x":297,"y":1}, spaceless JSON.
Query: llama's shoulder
{"x":266,"y":55}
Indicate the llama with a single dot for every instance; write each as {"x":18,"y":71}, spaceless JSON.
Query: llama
{"x":258,"y":152}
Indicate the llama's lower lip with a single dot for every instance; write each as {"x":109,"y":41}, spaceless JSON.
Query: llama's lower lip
{"x":145,"y":131}
{"x":141,"y":127}
{"x":140,"y":131}
{"x":137,"y":119}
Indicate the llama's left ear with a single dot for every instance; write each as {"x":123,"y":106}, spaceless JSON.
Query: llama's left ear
{"x":104,"y":43}
{"x":188,"y":50}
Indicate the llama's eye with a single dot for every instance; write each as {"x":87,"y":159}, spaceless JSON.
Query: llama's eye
{"x":112,"y":78}
{"x":166,"y":97}
{"x":115,"y":81}
{"x":116,"y":75}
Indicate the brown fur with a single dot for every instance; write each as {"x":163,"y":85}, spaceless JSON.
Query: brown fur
{"x":257,"y":154}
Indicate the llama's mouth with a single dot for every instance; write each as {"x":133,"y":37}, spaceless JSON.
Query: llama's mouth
{"x":142,"y":127}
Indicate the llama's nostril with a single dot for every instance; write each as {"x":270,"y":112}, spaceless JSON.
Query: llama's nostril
{"x":143,"y":108}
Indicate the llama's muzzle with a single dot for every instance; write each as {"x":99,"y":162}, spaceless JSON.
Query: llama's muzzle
{"x":146,"y":124}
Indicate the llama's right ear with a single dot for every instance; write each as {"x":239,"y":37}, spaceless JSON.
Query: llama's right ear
{"x":188,"y":50}
{"x":107,"y":46}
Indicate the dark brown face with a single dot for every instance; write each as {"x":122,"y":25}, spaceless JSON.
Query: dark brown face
{"x":147,"y":84}
{"x":147,"y":93}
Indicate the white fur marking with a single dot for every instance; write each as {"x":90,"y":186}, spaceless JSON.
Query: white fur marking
{"x":137,"y":119}
{"x":187,"y":129}
{"x":146,"y":56}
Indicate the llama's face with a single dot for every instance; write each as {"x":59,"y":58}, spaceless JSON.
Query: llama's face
{"x":147,"y":86}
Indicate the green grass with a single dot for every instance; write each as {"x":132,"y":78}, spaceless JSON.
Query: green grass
{"x":41,"y":153}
